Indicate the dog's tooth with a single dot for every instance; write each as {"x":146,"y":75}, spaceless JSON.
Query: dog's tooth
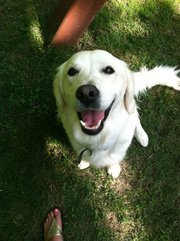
{"x":98,"y":125}
{"x":90,"y":128}
{"x":94,"y":127}
{"x":83,"y":123}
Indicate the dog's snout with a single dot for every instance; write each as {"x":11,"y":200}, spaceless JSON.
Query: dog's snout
{"x":87,"y":94}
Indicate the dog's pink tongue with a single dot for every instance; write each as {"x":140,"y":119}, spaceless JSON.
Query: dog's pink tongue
{"x":92,"y":117}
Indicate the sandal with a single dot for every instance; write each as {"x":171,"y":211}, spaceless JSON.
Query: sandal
{"x":54,"y":230}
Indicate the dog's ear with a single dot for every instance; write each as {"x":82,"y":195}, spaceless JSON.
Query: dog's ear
{"x":57,"y":89}
{"x":129,"y":99}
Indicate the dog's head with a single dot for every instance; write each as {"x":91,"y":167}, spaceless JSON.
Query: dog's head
{"x":92,"y":83}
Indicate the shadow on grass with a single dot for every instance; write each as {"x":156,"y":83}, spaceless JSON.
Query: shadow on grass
{"x":29,"y":182}
{"x":152,"y":36}
{"x":38,"y":168}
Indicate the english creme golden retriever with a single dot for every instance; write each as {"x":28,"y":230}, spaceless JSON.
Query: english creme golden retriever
{"x":95,"y":96}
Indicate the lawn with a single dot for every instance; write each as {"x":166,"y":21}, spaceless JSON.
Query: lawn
{"x":38,"y":166}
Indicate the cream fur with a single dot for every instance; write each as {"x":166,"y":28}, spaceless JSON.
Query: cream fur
{"x":110,"y":145}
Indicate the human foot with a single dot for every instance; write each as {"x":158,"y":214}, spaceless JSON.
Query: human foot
{"x":53,"y":226}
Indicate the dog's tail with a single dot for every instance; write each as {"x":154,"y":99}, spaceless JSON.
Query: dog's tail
{"x":161,"y":75}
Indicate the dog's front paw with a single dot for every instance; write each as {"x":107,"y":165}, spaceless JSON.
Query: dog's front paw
{"x":83,"y":165}
{"x":141,"y":136}
{"x":114,"y":170}
{"x":143,"y":139}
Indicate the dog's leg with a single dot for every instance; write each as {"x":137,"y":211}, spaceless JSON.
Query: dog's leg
{"x":140,"y":134}
{"x":114,"y":170}
{"x":83,"y":164}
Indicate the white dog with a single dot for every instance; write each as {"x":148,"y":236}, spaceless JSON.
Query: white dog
{"x":94,"y":94}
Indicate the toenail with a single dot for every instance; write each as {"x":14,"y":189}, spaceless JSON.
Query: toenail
{"x":56,"y":210}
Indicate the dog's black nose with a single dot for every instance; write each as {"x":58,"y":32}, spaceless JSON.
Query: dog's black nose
{"x":87,"y":94}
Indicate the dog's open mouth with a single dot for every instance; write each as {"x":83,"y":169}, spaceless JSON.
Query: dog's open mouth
{"x":92,"y":121}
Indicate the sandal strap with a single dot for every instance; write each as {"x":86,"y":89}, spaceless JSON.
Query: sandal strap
{"x":55,"y":230}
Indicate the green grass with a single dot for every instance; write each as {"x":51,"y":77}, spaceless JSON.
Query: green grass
{"x":38,"y":167}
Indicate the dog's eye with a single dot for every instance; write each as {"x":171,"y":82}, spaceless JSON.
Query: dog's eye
{"x":108,"y":70}
{"x":72,"y":71}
